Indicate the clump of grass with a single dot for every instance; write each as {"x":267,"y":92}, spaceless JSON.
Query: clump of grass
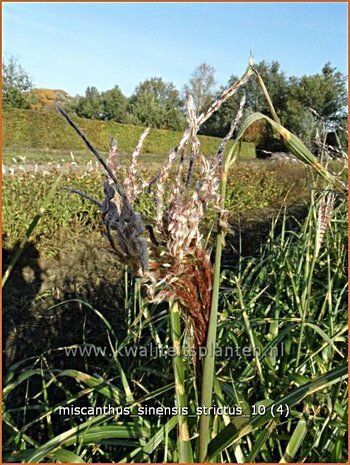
{"x":175,"y":267}
{"x":173,"y":257}
{"x":267,"y":288}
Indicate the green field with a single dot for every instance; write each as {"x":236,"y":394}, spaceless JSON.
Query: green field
{"x":30,"y":133}
{"x":253,"y":186}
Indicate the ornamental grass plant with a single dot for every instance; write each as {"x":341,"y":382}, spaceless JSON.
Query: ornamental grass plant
{"x":178,"y":292}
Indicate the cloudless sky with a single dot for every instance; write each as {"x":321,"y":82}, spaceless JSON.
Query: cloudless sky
{"x":73,"y":45}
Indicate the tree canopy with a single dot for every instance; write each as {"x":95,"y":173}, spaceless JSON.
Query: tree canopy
{"x":201,"y":86}
{"x":296,"y":99}
{"x":16,"y":85}
{"x":324,"y":93}
{"x":299,"y":101}
{"x":157,"y":104}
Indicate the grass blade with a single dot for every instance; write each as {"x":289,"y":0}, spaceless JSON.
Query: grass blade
{"x":184,"y":445}
{"x":88,"y":433}
{"x":294,"y":144}
{"x":230,"y":435}
{"x":295,"y":441}
{"x":209,"y":360}
{"x":100,"y":385}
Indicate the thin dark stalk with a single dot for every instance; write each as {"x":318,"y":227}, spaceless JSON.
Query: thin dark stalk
{"x":84,"y":196}
{"x":94,"y":151}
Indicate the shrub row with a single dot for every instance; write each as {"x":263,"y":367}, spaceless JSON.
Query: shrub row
{"x":47,"y":130}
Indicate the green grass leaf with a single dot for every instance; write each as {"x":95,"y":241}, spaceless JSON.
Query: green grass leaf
{"x":229,"y":435}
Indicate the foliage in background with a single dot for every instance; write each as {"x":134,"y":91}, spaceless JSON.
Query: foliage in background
{"x":292,"y":97}
{"x":90,"y":105}
{"x":46,"y":130}
{"x":202,"y":87}
{"x":48,"y":99}
{"x":16,"y":85}
{"x":325,"y":93}
{"x":110,"y":105}
{"x":158,"y":104}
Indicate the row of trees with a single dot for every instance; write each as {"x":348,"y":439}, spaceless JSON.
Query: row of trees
{"x":160,"y":104}
{"x":300,"y":102}
{"x":154,"y":103}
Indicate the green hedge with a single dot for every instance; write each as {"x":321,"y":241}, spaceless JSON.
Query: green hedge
{"x":47,"y":130}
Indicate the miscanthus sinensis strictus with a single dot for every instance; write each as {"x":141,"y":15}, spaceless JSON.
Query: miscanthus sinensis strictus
{"x":169,"y":256}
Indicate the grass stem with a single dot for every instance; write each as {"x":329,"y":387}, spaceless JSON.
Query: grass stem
{"x":184,"y":445}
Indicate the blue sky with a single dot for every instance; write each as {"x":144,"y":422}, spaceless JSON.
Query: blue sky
{"x":73,"y":45}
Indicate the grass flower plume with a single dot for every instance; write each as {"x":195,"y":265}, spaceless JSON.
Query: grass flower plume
{"x":170,"y":255}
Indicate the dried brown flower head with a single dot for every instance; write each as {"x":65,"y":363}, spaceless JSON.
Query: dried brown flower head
{"x":170,"y":256}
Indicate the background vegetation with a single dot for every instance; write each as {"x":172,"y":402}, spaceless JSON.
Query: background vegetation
{"x":46,"y":130}
{"x":300,"y":101}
